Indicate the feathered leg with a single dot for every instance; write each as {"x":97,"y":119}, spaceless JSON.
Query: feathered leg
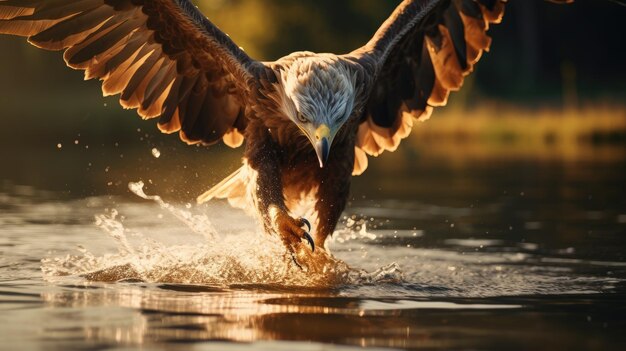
{"x":334,"y":190}
{"x":262,"y":158}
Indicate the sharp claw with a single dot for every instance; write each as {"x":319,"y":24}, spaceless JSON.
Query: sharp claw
{"x":308,"y":238}
{"x":306,"y":222}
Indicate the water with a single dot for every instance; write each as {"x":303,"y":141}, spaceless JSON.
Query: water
{"x":439,"y":254}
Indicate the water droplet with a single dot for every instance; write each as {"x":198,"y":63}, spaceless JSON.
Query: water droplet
{"x":156,"y":153}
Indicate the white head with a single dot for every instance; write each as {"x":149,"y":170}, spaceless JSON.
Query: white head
{"x":320,"y":96}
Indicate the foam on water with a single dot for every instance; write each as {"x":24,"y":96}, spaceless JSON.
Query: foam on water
{"x":248,"y":257}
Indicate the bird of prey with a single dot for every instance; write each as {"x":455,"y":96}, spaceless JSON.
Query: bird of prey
{"x":309,"y":120}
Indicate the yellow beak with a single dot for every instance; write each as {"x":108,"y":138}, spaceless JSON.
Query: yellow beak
{"x":322,"y":143}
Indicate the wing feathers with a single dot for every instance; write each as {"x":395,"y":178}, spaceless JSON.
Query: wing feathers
{"x":25,"y":28}
{"x":191,"y":108}
{"x":10,"y":12}
{"x":63,"y":9}
{"x":133,"y":94}
{"x":120,"y":74}
{"x":456,"y":30}
{"x":233,"y":138}
{"x":159,"y":83}
{"x":99,"y":42}
{"x":447,"y":69}
{"x":424,"y":81}
{"x":163,"y":57}
{"x":71,"y":28}
{"x":446,"y":40}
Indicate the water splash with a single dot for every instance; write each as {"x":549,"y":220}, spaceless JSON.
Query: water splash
{"x":243,"y":257}
{"x":354,"y":230}
{"x":199,"y":224}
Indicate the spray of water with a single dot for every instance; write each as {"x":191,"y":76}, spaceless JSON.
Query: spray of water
{"x":244,"y":257}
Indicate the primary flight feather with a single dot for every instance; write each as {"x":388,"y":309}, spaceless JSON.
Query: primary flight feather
{"x":310,"y":120}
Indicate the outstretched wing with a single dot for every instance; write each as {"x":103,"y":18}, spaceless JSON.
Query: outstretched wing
{"x":419,"y":55}
{"x":163,"y":56}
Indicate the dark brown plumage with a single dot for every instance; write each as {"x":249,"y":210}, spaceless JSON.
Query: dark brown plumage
{"x":169,"y":62}
{"x":162,"y":56}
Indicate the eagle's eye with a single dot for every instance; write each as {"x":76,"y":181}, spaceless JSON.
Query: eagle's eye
{"x":302,"y":119}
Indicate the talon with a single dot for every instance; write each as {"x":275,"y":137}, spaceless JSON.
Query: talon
{"x":306,"y":222}
{"x":308,"y":238}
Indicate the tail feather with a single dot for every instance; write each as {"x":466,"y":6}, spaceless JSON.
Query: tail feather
{"x":232,"y":188}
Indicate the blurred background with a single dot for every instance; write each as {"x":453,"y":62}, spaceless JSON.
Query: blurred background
{"x":507,"y":205}
{"x":548,"y":99}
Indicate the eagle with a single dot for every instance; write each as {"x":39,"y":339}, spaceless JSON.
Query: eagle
{"x":309,"y":120}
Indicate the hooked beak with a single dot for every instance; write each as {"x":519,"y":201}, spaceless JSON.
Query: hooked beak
{"x":322,"y":143}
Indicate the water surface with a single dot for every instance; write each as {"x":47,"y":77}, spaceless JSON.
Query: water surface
{"x":435,"y":254}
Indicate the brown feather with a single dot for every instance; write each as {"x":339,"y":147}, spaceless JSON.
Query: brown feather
{"x":437,"y":42}
{"x":129,"y":96}
{"x":147,"y":50}
{"x":360,"y":161}
{"x":69,"y":31}
{"x":139,"y":93}
{"x":161,"y":81}
{"x":494,"y":15}
{"x":117,"y":80}
{"x":26,"y":28}
{"x":10,"y":12}
{"x":447,"y":69}
{"x":190,"y":110}
{"x":233,"y":138}
{"x":96,"y":48}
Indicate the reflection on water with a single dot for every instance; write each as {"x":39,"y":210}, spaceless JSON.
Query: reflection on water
{"x":187,"y":313}
{"x":432,"y":253}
